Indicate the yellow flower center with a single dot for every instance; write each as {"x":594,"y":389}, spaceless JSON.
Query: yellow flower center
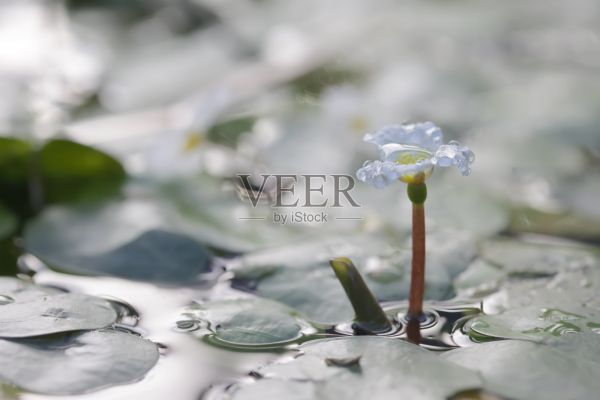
{"x":413,"y":156}
{"x":192,"y":142}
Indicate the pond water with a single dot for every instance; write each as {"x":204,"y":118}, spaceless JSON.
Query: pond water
{"x":186,"y":366}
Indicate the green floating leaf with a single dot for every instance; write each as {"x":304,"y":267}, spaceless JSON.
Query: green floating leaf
{"x":66,"y":171}
{"x":563,"y":224}
{"x":248,"y":323}
{"x":73,"y":172}
{"x":116,"y":240}
{"x":520,"y":257}
{"x":315,"y":292}
{"x":569,"y":290}
{"x":533,"y":323}
{"x":389,"y":368}
{"x":45,"y":315}
{"x":76,"y":363}
{"x":461,"y":205}
{"x":15,"y":289}
{"x":525,"y":370}
{"x":201,"y":208}
{"x":300,"y":277}
{"x":538,"y":309}
{"x":479,"y":278}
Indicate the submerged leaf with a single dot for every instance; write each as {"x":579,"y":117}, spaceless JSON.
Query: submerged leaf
{"x":76,"y":363}
{"x":45,"y":315}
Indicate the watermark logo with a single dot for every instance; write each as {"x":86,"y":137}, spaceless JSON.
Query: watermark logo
{"x":306,"y":198}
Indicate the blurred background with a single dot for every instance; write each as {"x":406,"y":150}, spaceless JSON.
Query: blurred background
{"x":148,"y":109}
{"x":179,"y":88}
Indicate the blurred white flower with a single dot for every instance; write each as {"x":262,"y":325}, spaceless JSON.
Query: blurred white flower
{"x":409,"y":153}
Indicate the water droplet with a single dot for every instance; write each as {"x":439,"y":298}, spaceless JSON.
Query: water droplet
{"x":187,"y":325}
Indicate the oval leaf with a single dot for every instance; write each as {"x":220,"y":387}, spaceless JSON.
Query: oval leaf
{"x":55,"y":313}
{"x":78,"y":363}
{"x":359,"y":368}
{"x":525,"y":370}
{"x":247,"y":322}
{"x":116,"y":239}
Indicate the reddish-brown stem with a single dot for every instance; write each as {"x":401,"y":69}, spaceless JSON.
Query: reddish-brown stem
{"x":413,"y":330}
{"x":417,"y":278}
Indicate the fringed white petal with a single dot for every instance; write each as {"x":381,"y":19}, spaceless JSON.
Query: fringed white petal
{"x":452,"y":154}
{"x":409,"y":153}
{"x":423,"y":134}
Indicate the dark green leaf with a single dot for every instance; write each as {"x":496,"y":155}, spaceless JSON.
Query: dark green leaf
{"x":74,"y":172}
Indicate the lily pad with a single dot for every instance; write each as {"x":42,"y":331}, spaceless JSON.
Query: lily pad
{"x":300,"y":276}
{"x":521,"y":257}
{"x":211,"y":211}
{"x":247,"y":323}
{"x":76,"y":363}
{"x":45,"y":315}
{"x":534,"y":323}
{"x":525,"y":370}
{"x":570,"y":289}
{"x":15,"y":289}
{"x":315,"y":292}
{"x":117,"y":239}
{"x":479,"y":278}
{"x":461,"y":205}
{"x":565,"y":224}
{"x":384,"y":368}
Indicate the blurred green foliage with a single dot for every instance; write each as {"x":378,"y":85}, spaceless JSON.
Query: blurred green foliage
{"x":60,"y":171}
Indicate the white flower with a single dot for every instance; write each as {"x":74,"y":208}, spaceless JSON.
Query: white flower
{"x":409,"y":153}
